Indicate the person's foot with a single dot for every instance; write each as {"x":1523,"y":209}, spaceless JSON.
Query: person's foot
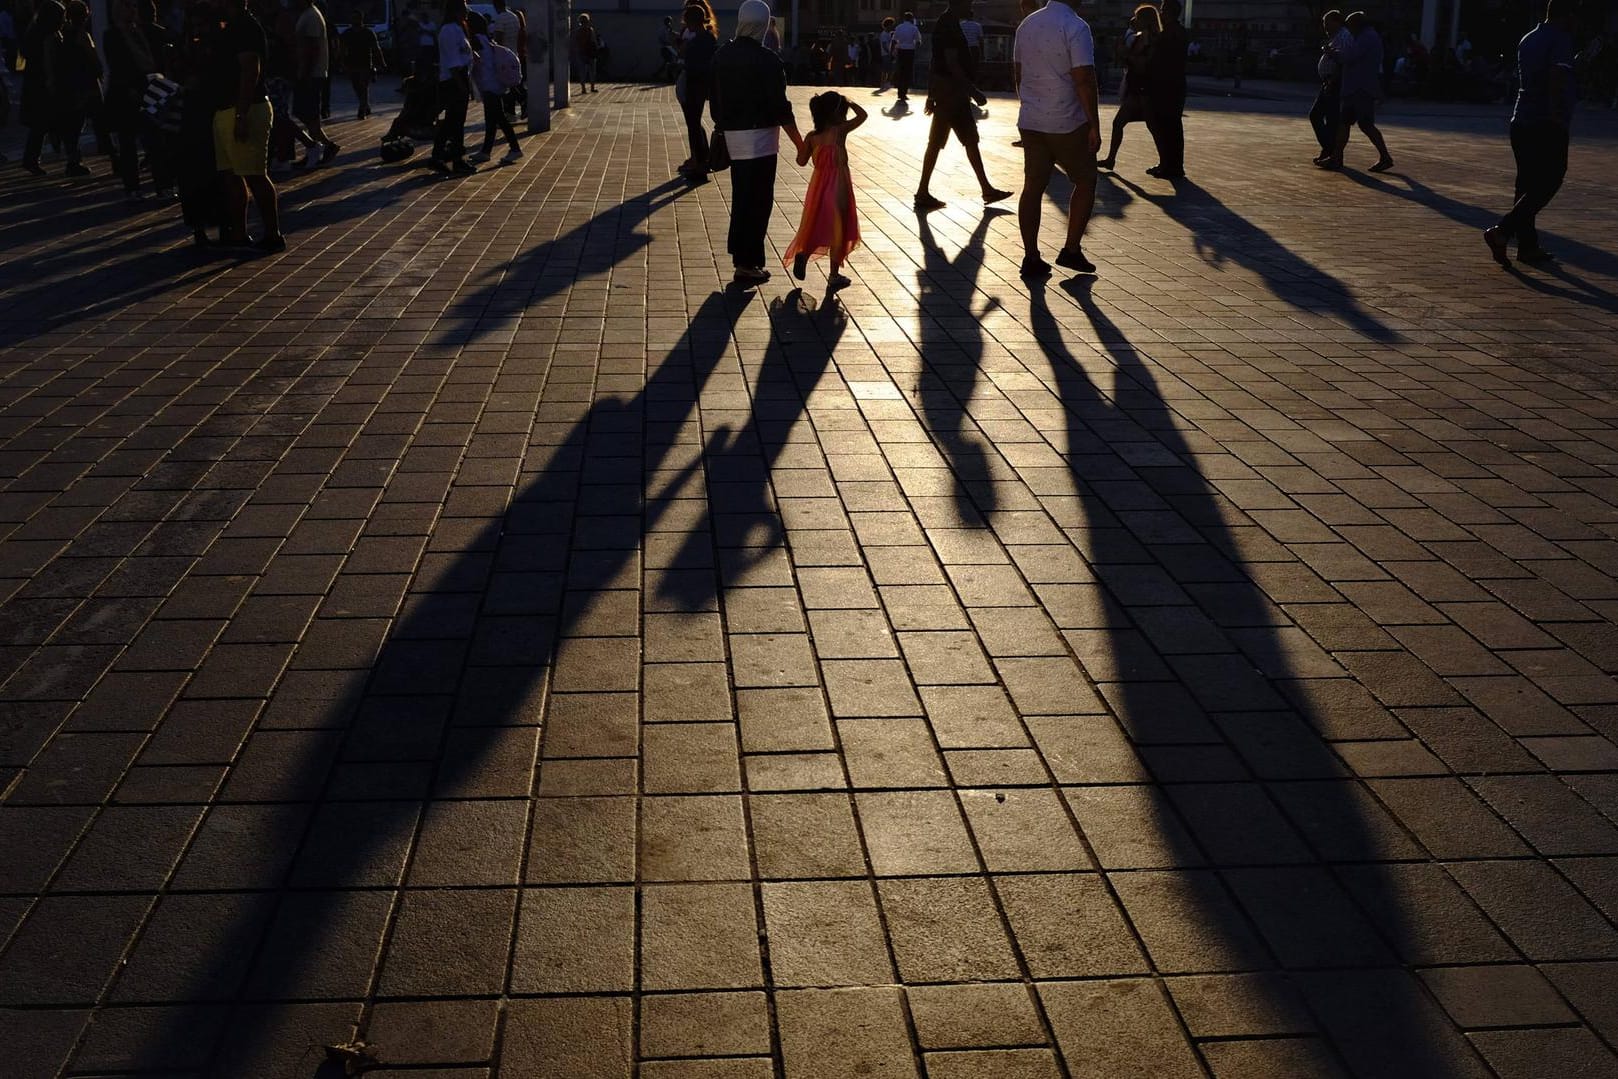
{"x":1034,"y":267}
{"x":1330,"y":164}
{"x":438,"y":164}
{"x":837,"y":281}
{"x":33,"y":167}
{"x":926,"y":203}
{"x":1106,"y":163}
{"x":273,"y":243}
{"x":463,"y":167}
{"x":76,"y":168}
{"x":1535,"y":256}
{"x":1382,"y":165}
{"x":306,"y":163}
{"x":1320,"y":159}
{"x":511,"y":155}
{"x":1495,"y":237}
{"x":1016,"y":142}
{"x":1164,"y":174}
{"x":800,"y":265}
{"x":747,"y":276}
{"x":1073,"y":259}
{"x":329,"y":152}
{"x":994,"y":195}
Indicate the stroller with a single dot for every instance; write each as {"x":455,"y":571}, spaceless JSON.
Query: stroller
{"x":416,"y":117}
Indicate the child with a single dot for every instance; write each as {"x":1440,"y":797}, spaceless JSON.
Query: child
{"x":830,"y":223}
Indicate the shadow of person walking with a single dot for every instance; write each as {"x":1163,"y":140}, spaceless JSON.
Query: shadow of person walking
{"x":433,"y":748}
{"x":1248,"y":856}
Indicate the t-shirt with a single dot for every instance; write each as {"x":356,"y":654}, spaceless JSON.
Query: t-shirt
{"x":906,"y":36}
{"x":239,"y":34}
{"x":1362,"y":63}
{"x":454,"y":51}
{"x":1050,"y":43}
{"x":311,"y":28}
{"x":1541,"y":51}
{"x":947,"y":37}
{"x":973,"y":30}
{"x":504,"y":28}
{"x":884,"y":42}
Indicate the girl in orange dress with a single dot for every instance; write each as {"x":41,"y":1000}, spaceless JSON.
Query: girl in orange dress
{"x":830,"y":224}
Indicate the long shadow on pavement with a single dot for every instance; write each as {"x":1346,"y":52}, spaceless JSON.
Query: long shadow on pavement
{"x":450,"y":709}
{"x":1268,"y":859}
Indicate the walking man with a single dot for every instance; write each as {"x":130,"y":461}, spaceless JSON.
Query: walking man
{"x":951,"y":92}
{"x":1539,"y":131}
{"x":1165,"y":95}
{"x":1054,"y":63}
{"x":906,"y":40}
{"x":314,"y":66}
{"x":1329,"y":101}
{"x":1362,"y":84}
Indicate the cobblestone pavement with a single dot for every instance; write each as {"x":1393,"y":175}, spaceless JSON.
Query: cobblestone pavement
{"x":479,"y":633}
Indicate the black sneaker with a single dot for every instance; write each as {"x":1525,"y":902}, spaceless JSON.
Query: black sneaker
{"x":800,"y":265}
{"x":77,"y":169}
{"x":1033,"y":266}
{"x":272,"y":244}
{"x":926,"y":204}
{"x":329,"y":153}
{"x":1073,"y":259}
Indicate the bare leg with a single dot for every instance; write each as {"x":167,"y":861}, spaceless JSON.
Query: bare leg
{"x":264,"y":199}
{"x":1117,"y":141}
{"x":929,"y":161}
{"x":1374,"y":133}
{"x":1079,"y":208}
{"x":976,"y":159}
{"x":235,"y":192}
{"x":1029,"y":205}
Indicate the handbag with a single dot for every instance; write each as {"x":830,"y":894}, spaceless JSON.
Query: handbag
{"x":718,"y":153}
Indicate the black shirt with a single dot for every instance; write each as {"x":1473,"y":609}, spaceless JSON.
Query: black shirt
{"x":749,"y":87}
{"x":947,"y":36}
{"x":698,"y":55}
{"x":239,"y":34}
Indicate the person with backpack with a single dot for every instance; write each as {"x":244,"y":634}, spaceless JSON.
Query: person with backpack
{"x":586,"y":51}
{"x":362,"y":59}
{"x":495,"y":70}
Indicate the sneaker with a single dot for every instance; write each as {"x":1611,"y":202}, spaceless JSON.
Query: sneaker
{"x":329,"y":153}
{"x":994,"y":195}
{"x":463,"y":167}
{"x":750,"y":275}
{"x":1033,"y":267}
{"x":307,"y":162}
{"x":1073,"y":259}
{"x":438,"y":164}
{"x":512,"y":155}
{"x":1383,"y":165}
{"x":76,"y":168}
{"x":837,"y":281}
{"x":926,"y":204}
{"x":478,"y":155}
{"x":1495,"y":237}
{"x":272,"y":244}
{"x":33,"y":167}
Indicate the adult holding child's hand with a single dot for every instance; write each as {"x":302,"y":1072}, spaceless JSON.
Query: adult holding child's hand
{"x":750,"y":109}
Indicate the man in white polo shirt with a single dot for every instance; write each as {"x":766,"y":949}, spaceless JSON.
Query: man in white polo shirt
{"x":1055,"y":68}
{"x":906,"y":40}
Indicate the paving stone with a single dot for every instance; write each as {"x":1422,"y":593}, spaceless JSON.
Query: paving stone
{"x":1496,"y":996}
{"x":704,"y":1024}
{"x":433,"y":1031}
{"x":825,"y":933}
{"x":1116,"y":1028}
{"x":1513,"y":1053}
{"x":805,"y":836}
{"x":575,"y":940}
{"x":699,"y":936}
{"x":844,"y":1032}
{"x":68,"y":948}
{"x":587,"y":1037}
{"x":693,"y":838}
{"x":915,"y":832}
{"x":451,"y":942}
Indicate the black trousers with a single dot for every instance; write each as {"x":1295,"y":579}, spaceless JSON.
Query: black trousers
{"x":494,"y":116}
{"x":1541,"y":153}
{"x":449,"y":143}
{"x":362,"y":93}
{"x":1325,"y":115}
{"x":696,"y":99}
{"x":1165,"y":122}
{"x":752,"y":197}
{"x":905,"y":71}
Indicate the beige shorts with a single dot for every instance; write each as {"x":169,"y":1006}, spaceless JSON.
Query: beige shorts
{"x":243,"y":157}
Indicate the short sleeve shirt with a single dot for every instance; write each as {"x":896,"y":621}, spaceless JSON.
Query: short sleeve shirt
{"x":1050,"y":43}
{"x":504,"y":29}
{"x":907,"y":36}
{"x":972,"y":30}
{"x":241,"y":34}
{"x":453,"y":51}
{"x":1544,"y":49}
{"x":947,"y":36}
{"x":311,"y":29}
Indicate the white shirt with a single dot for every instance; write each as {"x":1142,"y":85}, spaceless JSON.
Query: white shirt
{"x":973,"y":32}
{"x":752,"y":142}
{"x":907,"y":36}
{"x":453,"y":50}
{"x":311,"y":27}
{"x":504,"y":29}
{"x":1051,"y":42}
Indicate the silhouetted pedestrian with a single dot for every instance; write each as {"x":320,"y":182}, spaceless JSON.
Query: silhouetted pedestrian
{"x":1539,"y":131}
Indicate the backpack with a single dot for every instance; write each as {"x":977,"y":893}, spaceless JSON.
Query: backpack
{"x":505,"y":66}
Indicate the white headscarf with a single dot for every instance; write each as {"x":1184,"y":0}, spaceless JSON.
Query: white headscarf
{"x":753,"y":19}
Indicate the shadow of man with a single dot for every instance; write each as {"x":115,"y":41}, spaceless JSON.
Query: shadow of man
{"x":503,"y":621}
{"x":1257,"y":855}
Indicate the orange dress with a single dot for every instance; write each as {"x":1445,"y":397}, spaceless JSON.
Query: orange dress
{"x":830,"y":224}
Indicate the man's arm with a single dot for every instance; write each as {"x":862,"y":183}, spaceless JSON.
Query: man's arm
{"x":1084,"y":81}
{"x":1558,"y":90}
